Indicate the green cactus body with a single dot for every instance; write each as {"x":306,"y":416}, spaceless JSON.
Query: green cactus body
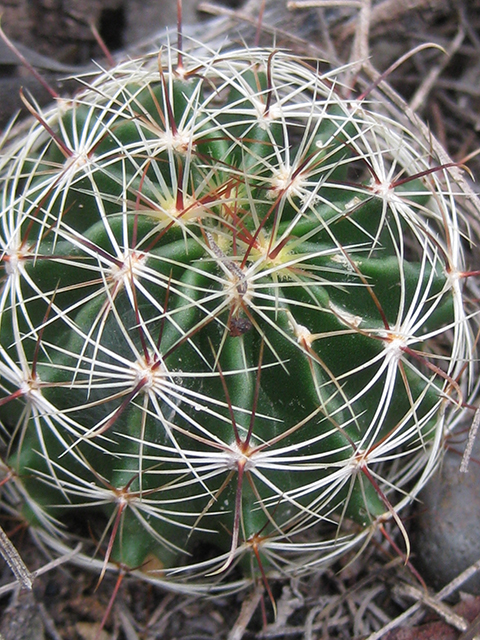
{"x":229,"y":315}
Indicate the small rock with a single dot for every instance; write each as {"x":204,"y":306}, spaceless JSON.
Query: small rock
{"x":447,"y":536}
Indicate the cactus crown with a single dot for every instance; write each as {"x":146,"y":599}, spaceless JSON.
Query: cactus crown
{"x":231,"y":315}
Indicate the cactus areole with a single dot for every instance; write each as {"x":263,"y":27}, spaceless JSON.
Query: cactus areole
{"x":232,"y":330}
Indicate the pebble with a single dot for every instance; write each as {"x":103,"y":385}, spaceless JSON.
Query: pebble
{"x":446,"y":539}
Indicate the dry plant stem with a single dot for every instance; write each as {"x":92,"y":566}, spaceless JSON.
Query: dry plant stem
{"x":472,"y":434}
{"x":7,"y":588}
{"x":48,"y":623}
{"x":323,"y":49}
{"x":360,"y":46}
{"x":246,"y":14}
{"x":432,"y":602}
{"x":321,"y":617}
{"x":323,"y":4}
{"x":126,"y":622}
{"x":15,"y":562}
{"x":418,"y":102}
{"x":450,"y":588}
{"x":249,"y":606}
{"x":387,"y":12}
{"x":473,"y":630}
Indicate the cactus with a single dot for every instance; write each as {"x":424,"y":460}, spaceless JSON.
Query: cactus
{"x":233,"y":335}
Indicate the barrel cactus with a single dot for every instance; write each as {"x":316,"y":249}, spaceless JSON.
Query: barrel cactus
{"x":233,"y":332}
